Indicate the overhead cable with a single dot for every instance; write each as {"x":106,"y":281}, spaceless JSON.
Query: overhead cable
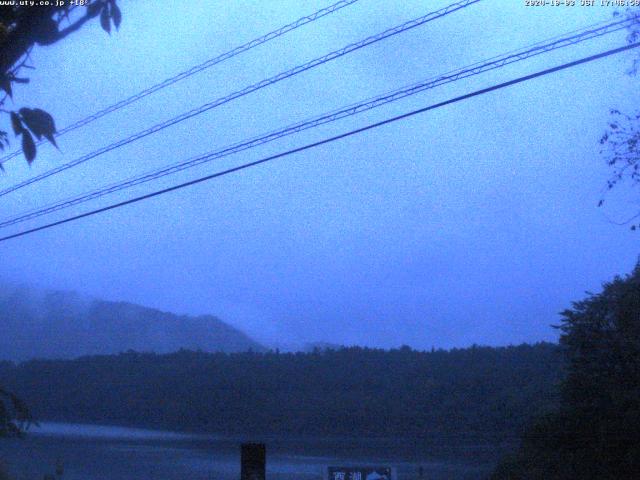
{"x":326,"y":140}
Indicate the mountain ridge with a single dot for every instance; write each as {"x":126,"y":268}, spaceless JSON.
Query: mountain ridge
{"x":59,"y":324}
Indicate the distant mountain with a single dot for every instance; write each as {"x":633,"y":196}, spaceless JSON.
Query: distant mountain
{"x":37,"y":324}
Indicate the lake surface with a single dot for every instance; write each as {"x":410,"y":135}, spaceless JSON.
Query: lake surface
{"x":90,"y":452}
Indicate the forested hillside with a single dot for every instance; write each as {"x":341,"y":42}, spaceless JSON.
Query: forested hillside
{"x":39,"y":324}
{"x":472,"y":393}
{"x":594,"y":433}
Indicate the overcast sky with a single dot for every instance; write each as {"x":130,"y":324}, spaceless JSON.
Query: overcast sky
{"x":474,"y":223}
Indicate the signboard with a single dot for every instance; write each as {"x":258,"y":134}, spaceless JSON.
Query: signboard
{"x":360,"y":473}
{"x":253,"y":460}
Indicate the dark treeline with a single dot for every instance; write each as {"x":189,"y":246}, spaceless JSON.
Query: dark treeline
{"x":594,"y":433}
{"x":478,"y":392}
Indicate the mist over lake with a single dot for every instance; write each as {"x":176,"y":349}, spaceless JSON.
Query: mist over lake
{"x":91,"y":452}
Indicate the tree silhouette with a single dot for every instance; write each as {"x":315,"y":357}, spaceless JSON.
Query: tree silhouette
{"x":14,"y":415}
{"x":621,"y":140}
{"x":21,"y":29}
{"x":595,"y":434}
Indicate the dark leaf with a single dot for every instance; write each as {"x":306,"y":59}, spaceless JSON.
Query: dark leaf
{"x":28,"y":146}
{"x":51,"y":139}
{"x":105,"y":21}
{"x":116,"y":15}
{"x":31,"y":121}
{"x":16,"y":123}
{"x":40,"y":123}
{"x":94,"y":9}
{"x":600,"y":203}
{"x":5,"y":84}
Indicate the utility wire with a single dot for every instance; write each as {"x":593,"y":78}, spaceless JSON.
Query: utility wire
{"x":196,"y":69}
{"x":464,"y":72}
{"x":247,"y":90}
{"x":330,"y":139}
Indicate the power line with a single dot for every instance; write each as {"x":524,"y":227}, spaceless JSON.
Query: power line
{"x":247,"y":90}
{"x":538,"y":48}
{"x":330,"y":139}
{"x":196,"y":69}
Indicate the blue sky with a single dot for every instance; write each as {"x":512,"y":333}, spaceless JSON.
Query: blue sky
{"x":474,"y":223}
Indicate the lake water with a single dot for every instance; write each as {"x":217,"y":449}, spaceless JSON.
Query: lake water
{"x":90,"y":452}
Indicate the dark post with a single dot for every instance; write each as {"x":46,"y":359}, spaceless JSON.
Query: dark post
{"x":253,"y":460}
